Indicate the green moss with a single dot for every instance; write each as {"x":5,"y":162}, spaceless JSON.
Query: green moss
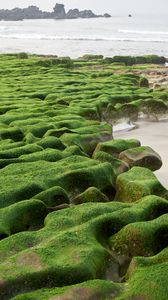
{"x":74,"y":174}
{"x":54,"y":112}
{"x":91,"y":195}
{"x":51,"y":142}
{"x":16,"y":152}
{"x":28,"y":214}
{"x":87,"y":142}
{"x":118,"y":165}
{"x":142,"y":156}
{"x":22,"y":55}
{"x":100,"y":289}
{"x":141,"y":239}
{"x":53,"y":196}
{"x":115,"y":147}
{"x":13,"y":133}
{"x":147,"y":278}
{"x":144,"y":82}
{"x":137,"y":183}
{"x":72,"y":245}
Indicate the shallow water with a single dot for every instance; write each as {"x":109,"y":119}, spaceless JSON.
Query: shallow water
{"x":115,"y":36}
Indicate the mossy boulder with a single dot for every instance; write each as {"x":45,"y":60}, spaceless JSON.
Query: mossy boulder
{"x":92,"y":194}
{"x":144,"y":82}
{"x":137,"y":183}
{"x":142,"y":156}
{"x":153,"y":108}
{"x":92,"y":289}
{"x":144,"y":273}
{"x":141,"y":238}
{"x":87,"y":142}
{"x":118,"y":165}
{"x":53,"y":197}
{"x":25,"y":215}
{"x":115,"y":147}
{"x":51,"y":142}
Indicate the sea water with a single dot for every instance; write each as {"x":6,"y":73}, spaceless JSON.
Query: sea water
{"x":108,"y":36}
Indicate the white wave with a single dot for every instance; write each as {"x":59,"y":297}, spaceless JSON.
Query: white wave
{"x":4,"y":28}
{"x":80,"y":38}
{"x":143,"y":32}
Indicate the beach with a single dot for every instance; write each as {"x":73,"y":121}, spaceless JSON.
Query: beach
{"x":155,"y":135}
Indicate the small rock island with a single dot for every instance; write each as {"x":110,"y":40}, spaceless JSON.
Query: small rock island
{"x":33,"y":12}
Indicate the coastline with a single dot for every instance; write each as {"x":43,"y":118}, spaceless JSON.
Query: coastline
{"x":77,"y":206}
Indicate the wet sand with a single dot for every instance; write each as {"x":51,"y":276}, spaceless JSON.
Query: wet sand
{"x":155,"y":135}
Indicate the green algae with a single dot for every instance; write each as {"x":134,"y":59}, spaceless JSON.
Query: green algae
{"x":94,"y":289}
{"x":71,"y":247}
{"x":137,"y":183}
{"x":115,"y":147}
{"x":57,"y":150}
{"x":22,"y":216}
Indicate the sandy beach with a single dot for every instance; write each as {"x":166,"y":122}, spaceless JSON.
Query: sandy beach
{"x":155,"y":135}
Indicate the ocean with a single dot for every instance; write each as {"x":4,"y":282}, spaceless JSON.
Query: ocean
{"x":112,"y":36}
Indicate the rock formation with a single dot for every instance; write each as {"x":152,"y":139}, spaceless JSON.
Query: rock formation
{"x":73,"y":13}
{"x":59,"y":11}
{"x":33,"y":12}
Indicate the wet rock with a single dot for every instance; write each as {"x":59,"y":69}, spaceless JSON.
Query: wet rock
{"x":142,"y":156}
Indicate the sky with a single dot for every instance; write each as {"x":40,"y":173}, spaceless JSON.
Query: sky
{"x":98,"y":6}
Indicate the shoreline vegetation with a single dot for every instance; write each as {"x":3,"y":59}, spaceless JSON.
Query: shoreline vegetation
{"x":82,"y":214}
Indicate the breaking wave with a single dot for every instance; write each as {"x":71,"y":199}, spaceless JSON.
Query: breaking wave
{"x":143,"y":32}
{"x":82,"y":38}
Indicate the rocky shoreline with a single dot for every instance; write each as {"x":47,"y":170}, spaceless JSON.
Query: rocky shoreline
{"x":58,"y":13}
{"x":82,"y":214}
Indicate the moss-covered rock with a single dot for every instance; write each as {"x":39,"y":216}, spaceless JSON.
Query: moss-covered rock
{"x":52,"y":117}
{"x":147,"y":278}
{"x":137,"y":183}
{"x":74,"y":174}
{"x":144,"y":82}
{"x":143,"y":238}
{"x":25,"y":215}
{"x":142,"y":156}
{"x":92,"y":194}
{"x":115,"y":147}
{"x":51,"y":142}
{"x":118,"y":165}
{"x":53,"y":197}
{"x":93,"y":289}
{"x":72,"y":247}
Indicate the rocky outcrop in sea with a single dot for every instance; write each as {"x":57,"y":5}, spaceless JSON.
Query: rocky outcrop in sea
{"x":33,"y":12}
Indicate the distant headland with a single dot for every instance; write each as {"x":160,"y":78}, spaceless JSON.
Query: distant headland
{"x":58,"y":13}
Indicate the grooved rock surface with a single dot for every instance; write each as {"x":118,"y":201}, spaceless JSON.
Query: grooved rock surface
{"x":77,"y":219}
